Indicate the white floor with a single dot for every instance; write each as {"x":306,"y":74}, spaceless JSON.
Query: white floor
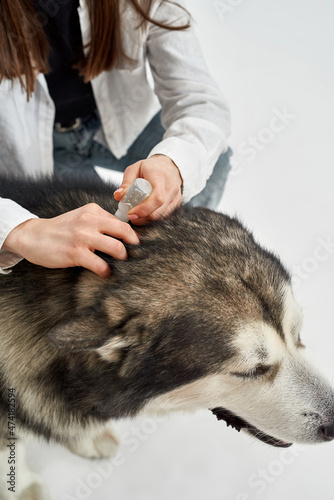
{"x":271,"y":58}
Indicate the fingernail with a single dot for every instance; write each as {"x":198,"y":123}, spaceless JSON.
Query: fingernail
{"x":133,"y":217}
{"x":119,"y":190}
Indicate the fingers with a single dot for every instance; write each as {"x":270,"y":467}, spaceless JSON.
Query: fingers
{"x":131,"y":173}
{"x":112,"y":226}
{"x":165,"y":198}
{"x":166,"y":181}
{"x":157,"y":201}
{"x":160,"y":203}
{"x":110,"y":246}
{"x":95,"y":264}
{"x":96,"y":229}
{"x":164,"y":211}
{"x":91,"y":220}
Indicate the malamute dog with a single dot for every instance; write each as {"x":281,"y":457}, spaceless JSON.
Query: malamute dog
{"x":199,"y":316}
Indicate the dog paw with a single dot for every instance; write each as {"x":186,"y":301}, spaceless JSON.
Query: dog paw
{"x":27,"y":485}
{"x":35,"y":491}
{"x":104,"y":445}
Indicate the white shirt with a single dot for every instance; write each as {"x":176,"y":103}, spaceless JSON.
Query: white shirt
{"x":195,"y":114}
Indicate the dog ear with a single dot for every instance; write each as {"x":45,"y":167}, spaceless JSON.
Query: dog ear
{"x":86,"y":330}
{"x":106,"y":328}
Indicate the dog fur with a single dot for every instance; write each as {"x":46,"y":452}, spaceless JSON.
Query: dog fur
{"x":199,"y":316}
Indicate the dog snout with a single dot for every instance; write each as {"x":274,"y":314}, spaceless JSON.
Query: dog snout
{"x":326,"y":432}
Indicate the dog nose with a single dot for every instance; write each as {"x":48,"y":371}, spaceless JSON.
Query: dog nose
{"x":327,"y":432}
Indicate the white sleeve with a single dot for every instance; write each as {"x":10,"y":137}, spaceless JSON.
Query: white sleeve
{"x":11,"y":215}
{"x":195,"y":113}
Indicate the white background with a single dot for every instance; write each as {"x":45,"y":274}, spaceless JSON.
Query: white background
{"x":268,"y":56}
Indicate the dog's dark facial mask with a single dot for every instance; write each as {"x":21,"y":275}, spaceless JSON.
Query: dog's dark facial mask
{"x":239,"y":423}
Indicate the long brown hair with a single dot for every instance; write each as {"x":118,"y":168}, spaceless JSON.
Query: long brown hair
{"x":24,"y":48}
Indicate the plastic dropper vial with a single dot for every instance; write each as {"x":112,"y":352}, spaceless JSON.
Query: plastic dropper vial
{"x":139,"y":190}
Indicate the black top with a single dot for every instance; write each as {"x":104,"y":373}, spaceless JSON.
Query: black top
{"x":72,"y":97}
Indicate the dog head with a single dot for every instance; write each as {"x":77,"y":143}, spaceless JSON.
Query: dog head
{"x":200,"y":316}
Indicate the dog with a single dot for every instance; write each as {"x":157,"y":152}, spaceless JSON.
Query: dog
{"x":198,"y":316}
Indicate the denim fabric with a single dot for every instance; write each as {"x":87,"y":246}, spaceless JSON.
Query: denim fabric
{"x":76,"y":153}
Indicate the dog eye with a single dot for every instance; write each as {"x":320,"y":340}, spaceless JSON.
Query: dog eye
{"x":258,"y":371}
{"x":261,"y":370}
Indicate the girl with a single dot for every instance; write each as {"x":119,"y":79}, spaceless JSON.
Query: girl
{"x":116,"y":83}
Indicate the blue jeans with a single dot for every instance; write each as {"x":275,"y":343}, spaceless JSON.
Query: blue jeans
{"x":76,"y":154}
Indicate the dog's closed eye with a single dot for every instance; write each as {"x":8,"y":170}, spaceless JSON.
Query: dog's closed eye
{"x":255,"y":372}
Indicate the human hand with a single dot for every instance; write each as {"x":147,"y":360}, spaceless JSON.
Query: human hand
{"x":71,"y":239}
{"x":166,"y":181}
